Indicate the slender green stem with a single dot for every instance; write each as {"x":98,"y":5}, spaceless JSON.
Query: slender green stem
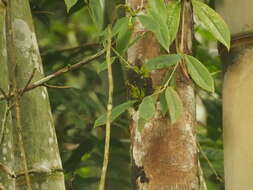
{"x":201,"y":178}
{"x":210,"y":164}
{"x":159,"y":91}
{"x":109,"y":112}
{"x":183,"y":28}
{"x":123,"y":59}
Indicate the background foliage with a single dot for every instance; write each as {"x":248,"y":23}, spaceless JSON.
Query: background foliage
{"x":67,"y":37}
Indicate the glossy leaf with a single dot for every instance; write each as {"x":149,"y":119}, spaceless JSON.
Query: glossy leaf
{"x":156,"y":25}
{"x":120,"y":23}
{"x":159,"y":7}
{"x":174,"y":103}
{"x":149,"y":23}
{"x":96,"y":8}
{"x":163,"y":103}
{"x":124,"y":37}
{"x":162,"y":33}
{"x":174,"y":11}
{"x":116,"y":112}
{"x":147,"y":108}
{"x":163,"y":61}
{"x":70,"y":3}
{"x":212,"y":21}
{"x":199,"y":73}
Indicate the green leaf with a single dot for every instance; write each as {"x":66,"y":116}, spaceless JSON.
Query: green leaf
{"x":70,"y":3}
{"x":162,"y":33}
{"x":164,"y":105}
{"x":163,"y":61}
{"x":159,"y":7}
{"x":174,"y":104}
{"x":158,"y":27}
{"x":116,"y":112}
{"x":103,"y":66}
{"x":120,"y":23}
{"x":124,"y":37}
{"x":199,"y":73}
{"x":149,"y":22}
{"x":156,"y":22}
{"x":213,"y":22}
{"x":147,"y":108}
{"x":174,"y":12}
{"x":96,"y":8}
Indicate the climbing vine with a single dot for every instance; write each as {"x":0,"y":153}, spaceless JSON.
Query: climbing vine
{"x":164,"y":21}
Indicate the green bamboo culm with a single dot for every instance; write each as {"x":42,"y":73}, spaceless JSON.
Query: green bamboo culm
{"x":6,"y":141}
{"x":37,"y":161}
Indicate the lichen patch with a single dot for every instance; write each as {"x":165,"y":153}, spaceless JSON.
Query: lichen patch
{"x":22,"y":36}
{"x":25,"y":40}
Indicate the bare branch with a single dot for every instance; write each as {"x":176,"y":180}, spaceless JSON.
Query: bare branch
{"x":4,"y":94}
{"x":28,"y":82}
{"x":66,"y":69}
{"x":87,"y":45}
{"x":59,"y":87}
{"x":7,"y":170}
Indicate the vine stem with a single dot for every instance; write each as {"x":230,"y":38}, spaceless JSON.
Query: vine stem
{"x":109,"y":111}
{"x":168,"y":81}
{"x":210,"y":164}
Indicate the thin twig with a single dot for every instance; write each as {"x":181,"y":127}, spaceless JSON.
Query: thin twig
{"x":210,"y":165}
{"x":168,"y":81}
{"x":54,"y":86}
{"x":28,"y":82}
{"x":201,"y":178}
{"x":7,"y":170}
{"x":4,"y":121}
{"x":86,"y":45}
{"x":128,"y":65}
{"x":122,"y":58}
{"x":109,"y":112}
{"x":43,"y":12}
{"x":57,"y":73}
{"x":4,"y":94}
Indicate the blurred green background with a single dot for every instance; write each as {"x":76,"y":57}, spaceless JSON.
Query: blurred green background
{"x":65,"y":38}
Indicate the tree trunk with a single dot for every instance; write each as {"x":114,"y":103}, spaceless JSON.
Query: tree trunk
{"x":237,"y":95}
{"x":7,"y":180}
{"x":37,"y":161}
{"x":238,"y":119}
{"x":164,"y":156}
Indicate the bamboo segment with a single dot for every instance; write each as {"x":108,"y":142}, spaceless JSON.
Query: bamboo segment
{"x":37,"y":161}
{"x":7,"y":180}
{"x":237,"y":14}
{"x":238,"y":120}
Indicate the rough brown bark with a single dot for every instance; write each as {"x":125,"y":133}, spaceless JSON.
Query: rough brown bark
{"x":164,"y":156}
